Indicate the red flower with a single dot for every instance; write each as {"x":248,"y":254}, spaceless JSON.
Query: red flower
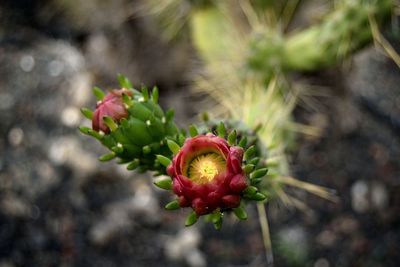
{"x":207,"y":174}
{"x":112,"y":106}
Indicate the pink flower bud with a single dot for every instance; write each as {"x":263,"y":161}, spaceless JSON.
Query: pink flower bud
{"x":113,"y":106}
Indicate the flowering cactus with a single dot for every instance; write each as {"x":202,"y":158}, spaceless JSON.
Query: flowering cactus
{"x":211,"y":174}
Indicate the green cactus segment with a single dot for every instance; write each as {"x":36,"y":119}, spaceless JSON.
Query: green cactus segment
{"x":340,"y":33}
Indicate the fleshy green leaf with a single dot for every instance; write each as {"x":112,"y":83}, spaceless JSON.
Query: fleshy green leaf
{"x":146,"y":149}
{"x":133,"y":165}
{"x":254,"y":161}
{"x":164,"y":183}
{"x":240,"y":213}
{"x":193,"y":130}
{"x":255,"y":181}
{"x":218,"y":224}
{"x":87,"y":113}
{"x":248,"y":168}
{"x":174,"y":147}
{"x":124,"y":82}
{"x":110,"y":123}
{"x":145,"y":93}
{"x":169,"y":115}
{"x":155,"y":95}
{"x":98,"y":93}
{"x":107,"y":157}
{"x":259,"y":173}
{"x":232,"y":138}
{"x":216,"y":216}
{"x":250,"y":190}
{"x":90,"y":132}
{"x":118,"y":148}
{"x":163,"y":160}
{"x":127,"y":100}
{"x":249,"y":152}
{"x":243,"y":142}
{"x":191,"y":219}
{"x":221,"y":130}
{"x":173,"y":205}
{"x":257,"y":197}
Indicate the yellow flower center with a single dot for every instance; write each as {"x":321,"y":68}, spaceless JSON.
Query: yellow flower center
{"x":204,"y":168}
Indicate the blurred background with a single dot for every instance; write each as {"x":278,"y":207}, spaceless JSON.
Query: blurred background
{"x":60,"y":207}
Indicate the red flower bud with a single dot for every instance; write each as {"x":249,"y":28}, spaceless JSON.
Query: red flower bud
{"x":207,"y":174}
{"x":113,"y":106}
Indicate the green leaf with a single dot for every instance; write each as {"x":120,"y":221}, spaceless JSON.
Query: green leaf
{"x":193,"y":131}
{"x":221,"y":130}
{"x":257,"y":197}
{"x":173,"y":205}
{"x":107,"y":157}
{"x":232,"y":138}
{"x":181,"y":139}
{"x":169,"y":115}
{"x":249,"y":152}
{"x":155,"y":95}
{"x":240,"y":213}
{"x":164,"y":183}
{"x":146,"y":149}
{"x":216,"y":216}
{"x":124,"y":82}
{"x":259,"y":173}
{"x":118,"y":149}
{"x":255,"y":181}
{"x":127,"y":100}
{"x":145,"y":93}
{"x":98,"y":93}
{"x":191,"y":219}
{"x":254,"y":161}
{"x":90,"y":132}
{"x":218,"y":224}
{"x":248,"y":168}
{"x":163,"y":160}
{"x":87,"y":113}
{"x":110,"y":123}
{"x":133,"y":165}
{"x":243,"y":142}
{"x":250,"y":190}
{"x":174,"y":147}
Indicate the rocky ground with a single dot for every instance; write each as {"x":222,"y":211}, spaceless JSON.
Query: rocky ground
{"x":60,"y":207}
